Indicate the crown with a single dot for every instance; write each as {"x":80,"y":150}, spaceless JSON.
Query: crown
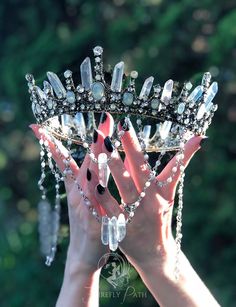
{"x":171,"y":107}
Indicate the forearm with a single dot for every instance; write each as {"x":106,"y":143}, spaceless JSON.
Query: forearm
{"x":80,"y":285}
{"x":189,"y":290}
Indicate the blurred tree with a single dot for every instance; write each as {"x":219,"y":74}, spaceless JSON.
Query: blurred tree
{"x":162,"y":38}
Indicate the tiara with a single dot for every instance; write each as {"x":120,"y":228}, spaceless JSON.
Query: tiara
{"x":164,"y":117}
{"x":170,"y":108}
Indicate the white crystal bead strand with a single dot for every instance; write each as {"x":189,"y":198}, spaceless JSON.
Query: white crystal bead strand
{"x":112,"y":226}
{"x":98,"y":68}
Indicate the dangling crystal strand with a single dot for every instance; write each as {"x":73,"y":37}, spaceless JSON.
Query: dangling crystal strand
{"x":105,"y":230}
{"x":121,"y":227}
{"x":112,"y":226}
{"x":44,"y":226}
{"x":146,"y":88}
{"x":179,"y":235}
{"x":167,"y":92}
{"x":66,"y":123}
{"x":57,"y":85}
{"x":117,"y":77}
{"x":103,"y":169}
{"x":86,"y":74}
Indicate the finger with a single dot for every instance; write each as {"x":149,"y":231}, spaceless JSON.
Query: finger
{"x":105,"y":127}
{"x":134,"y":155}
{"x":96,"y":148}
{"x":106,"y":200}
{"x":123,"y":180}
{"x":92,"y":182}
{"x":190,"y":148}
{"x":59,"y":152}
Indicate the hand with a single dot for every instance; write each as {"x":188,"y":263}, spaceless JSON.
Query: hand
{"x":85,"y":244}
{"x":149,"y":234}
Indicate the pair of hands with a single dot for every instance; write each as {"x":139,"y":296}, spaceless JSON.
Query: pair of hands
{"x":149,"y":235}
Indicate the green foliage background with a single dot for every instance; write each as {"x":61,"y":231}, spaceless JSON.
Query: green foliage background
{"x":167,"y":39}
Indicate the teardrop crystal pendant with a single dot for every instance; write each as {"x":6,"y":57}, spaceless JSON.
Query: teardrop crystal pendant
{"x":121,"y":227}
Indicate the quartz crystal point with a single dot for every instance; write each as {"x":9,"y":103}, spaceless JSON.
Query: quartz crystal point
{"x":167,"y":92}
{"x":207,"y":105}
{"x":103,"y":169}
{"x":211,"y":92}
{"x":56,"y":85}
{"x":112,"y":226}
{"x":79,"y":123}
{"x":117,"y":77}
{"x":47,"y":88}
{"x":146,"y":89}
{"x":164,"y":129}
{"x":196,"y":94}
{"x":40,"y":93}
{"x":105,"y":230}
{"x":86,"y":74}
{"x":121,"y":227}
{"x":66,"y":123}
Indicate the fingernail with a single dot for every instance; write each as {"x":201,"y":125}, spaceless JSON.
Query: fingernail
{"x":103,"y":117}
{"x":124,"y":124}
{"x":95,"y":136}
{"x":89,"y":175}
{"x":108,"y":144}
{"x":203,"y":141}
{"x":100,"y":189}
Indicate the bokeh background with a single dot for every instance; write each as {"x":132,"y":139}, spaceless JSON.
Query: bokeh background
{"x":166,"y":39}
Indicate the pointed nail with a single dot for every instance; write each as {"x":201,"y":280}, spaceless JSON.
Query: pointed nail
{"x":103,"y":117}
{"x":203,"y":141}
{"x":108,"y":144}
{"x":89,"y":175}
{"x":95,"y":136}
{"x":100,"y":189}
{"x":124,"y":124}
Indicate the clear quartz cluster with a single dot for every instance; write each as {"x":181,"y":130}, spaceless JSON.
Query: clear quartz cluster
{"x":113,"y":230}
